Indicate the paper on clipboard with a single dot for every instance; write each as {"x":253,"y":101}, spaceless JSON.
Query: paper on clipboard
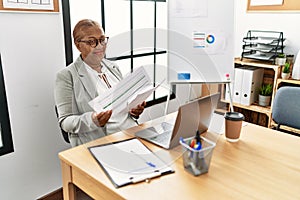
{"x":128,"y":162}
{"x":128,"y":93}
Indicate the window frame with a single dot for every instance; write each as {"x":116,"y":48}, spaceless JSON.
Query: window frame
{"x":69,"y":51}
{"x":5,"y":129}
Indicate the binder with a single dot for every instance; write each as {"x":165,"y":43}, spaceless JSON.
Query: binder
{"x":129,"y":161}
{"x":252,"y":80}
{"x":238,"y":81}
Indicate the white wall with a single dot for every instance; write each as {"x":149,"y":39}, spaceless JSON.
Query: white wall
{"x":287,"y":22}
{"x":31,"y":47}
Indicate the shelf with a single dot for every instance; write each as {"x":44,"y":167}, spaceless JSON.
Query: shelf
{"x":282,"y":82}
{"x":255,"y":113}
{"x":291,"y":81}
{"x":255,"y":63}
{"x":260,"y":56}
{"x":220,"y":111}
{"x":263,"y":40}
{"x":254,"y":107}
{"x":261,"y":48}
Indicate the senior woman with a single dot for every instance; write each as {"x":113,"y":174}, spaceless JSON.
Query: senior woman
{"x":83,"y":80}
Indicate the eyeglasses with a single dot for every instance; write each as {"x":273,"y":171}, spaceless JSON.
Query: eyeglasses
{"x":95,"y":42}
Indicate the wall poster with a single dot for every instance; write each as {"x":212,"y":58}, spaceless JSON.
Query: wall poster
{"x":6,"y":143}
{"x":30,"y":5}
{"x":273,"y":6}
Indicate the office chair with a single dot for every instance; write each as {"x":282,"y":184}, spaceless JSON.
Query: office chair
{"x":286,"y":107}
{"x":64,"y":133}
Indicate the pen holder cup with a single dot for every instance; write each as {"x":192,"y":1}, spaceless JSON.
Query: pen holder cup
{"x":197,"y":162}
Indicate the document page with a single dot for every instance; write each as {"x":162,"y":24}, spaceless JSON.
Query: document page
{"x":135,"y":88}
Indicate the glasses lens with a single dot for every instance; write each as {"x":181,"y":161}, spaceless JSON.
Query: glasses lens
{"x":103,"y":41}
{"x":93,"y":43}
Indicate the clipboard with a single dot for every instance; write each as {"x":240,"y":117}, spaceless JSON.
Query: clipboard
{"x":129,"y":161}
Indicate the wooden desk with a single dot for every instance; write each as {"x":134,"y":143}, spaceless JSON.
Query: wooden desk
{"x":264,"y":164}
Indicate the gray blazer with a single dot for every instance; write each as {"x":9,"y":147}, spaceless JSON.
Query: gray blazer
{"x":73,"y":91}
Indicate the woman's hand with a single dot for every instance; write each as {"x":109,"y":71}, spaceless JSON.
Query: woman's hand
{"x":102,"y":118}
{"x":135,"y":112}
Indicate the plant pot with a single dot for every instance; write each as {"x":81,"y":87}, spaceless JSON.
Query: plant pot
{"x":285,"y":75}
{"x":280,"y":61}
{"x":264,"y":100}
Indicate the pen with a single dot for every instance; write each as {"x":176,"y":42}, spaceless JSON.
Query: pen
{"x":197,"y":137}
{"x":198,"y":146}
{"x":196,"y":142}
{"x":148,"y":163}
{"x":193,"y":142}
{"x":182,"y":140}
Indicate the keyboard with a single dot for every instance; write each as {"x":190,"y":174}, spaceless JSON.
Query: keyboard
{"x":163,"y":138}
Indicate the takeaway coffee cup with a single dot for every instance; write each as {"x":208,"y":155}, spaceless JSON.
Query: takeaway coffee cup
{"x":233,"y":125}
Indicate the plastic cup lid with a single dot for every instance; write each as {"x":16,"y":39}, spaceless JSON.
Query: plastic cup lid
{"x":234,"y":116}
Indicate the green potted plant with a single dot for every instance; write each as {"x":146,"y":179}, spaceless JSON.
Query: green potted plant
{"x":280,"y":59}
{"x":264,"y":96}
{"x":286,"y":69}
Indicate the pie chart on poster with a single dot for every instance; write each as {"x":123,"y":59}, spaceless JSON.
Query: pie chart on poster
{"x":210,"y":39}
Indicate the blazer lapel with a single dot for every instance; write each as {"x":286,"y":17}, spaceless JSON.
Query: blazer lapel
{"x":113,"y":69}
{"x":85,"y":79}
